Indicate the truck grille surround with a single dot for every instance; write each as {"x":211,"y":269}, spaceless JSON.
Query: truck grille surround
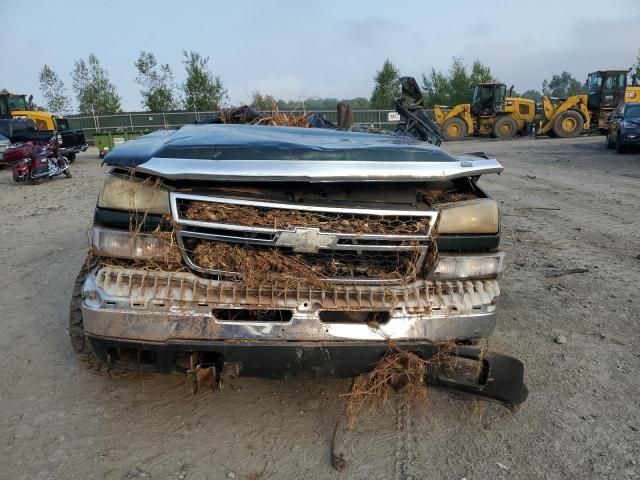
{"x":341,"y":245}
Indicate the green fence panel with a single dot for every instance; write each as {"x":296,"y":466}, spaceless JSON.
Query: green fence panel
{"x":149,"y":121}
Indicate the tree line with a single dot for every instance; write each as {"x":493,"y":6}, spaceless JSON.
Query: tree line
{"x":202,"y":90}
{"x":96,"y":94}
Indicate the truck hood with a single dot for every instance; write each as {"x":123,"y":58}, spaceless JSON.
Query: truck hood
{"x":265,"y":153}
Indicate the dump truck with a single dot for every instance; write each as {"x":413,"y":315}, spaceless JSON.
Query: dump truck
{"x":16,"y":106}
{"x":491,"y":112}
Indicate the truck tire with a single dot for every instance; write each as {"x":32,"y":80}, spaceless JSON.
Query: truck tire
{"x":71,"y":157}
{"x":454,"y":129}
{"x":79,"y":341}
{"x":568,"y":124}
{"x":505,"y":128}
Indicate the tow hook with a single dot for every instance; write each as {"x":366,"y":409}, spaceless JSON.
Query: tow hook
{"x":203,"y":375}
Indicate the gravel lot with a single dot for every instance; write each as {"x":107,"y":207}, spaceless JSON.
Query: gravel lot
{"x":565,"y":204}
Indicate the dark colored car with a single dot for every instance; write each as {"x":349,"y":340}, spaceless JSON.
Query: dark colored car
{"x":624,"y":128}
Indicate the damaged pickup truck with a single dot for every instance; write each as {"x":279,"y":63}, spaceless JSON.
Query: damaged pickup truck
{"x":270,"y":251}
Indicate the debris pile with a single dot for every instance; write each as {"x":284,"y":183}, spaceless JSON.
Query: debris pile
{"x":252,"y":116}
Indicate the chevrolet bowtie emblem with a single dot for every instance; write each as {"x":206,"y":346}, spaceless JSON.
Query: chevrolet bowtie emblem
{"x":305,"y":240}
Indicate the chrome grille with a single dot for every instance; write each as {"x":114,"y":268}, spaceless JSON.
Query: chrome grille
{"x":342,"y":244}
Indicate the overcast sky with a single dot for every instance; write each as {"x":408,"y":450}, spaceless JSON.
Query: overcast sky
{"x":298,"y":49}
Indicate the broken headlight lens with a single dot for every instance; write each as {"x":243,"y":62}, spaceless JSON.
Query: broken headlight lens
{"x":107,"y":242}
{"x":474,"y":216}
{"x":119,"y":192}
{"x":458,"y":267}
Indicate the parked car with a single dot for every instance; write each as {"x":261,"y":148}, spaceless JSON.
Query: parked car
{"x":624,"y":128}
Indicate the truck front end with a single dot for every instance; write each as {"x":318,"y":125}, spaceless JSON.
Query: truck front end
{"x":269,"y":251}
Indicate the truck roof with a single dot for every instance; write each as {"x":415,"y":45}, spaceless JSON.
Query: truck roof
{"x":266,"y":153}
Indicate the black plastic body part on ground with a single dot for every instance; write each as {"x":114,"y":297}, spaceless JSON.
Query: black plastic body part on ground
{"x":501,"y":377}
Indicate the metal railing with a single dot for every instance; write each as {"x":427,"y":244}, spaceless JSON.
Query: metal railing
{"x":137,"y":121}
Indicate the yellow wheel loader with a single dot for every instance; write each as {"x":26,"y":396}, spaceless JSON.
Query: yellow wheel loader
{"x":564,"y":118}
{"x":491,"y":112}
{"x":606,"y":89}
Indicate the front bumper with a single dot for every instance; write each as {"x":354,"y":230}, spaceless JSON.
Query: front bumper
{"x":156,"y":321}
{"x":150,"y":306}
{"x":498,"y":378}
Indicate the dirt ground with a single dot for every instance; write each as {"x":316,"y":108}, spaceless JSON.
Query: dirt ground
{"x":565,"y":204}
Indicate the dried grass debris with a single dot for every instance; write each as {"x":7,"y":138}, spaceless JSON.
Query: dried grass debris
{"x":434,"y":197}
{"x":258,"y":267}
{"x":281,"y":219}
{"x":397,"y":370}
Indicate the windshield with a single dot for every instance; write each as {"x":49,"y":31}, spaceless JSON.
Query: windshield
{"x":593,"y":83}
{"x":632,"y":112}
{"x":61,"y":124}
{"x":17,"y":102}
{"x":488,"y":97}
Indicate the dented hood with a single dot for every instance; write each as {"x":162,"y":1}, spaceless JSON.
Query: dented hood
{"x":264,"y":153}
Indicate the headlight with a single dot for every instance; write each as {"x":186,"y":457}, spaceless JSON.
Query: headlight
{"x":131,"y":194}
{"x":630,"y":126}
{"x":107,"y":242}
{"x":458,"y":267}
{"x":475,"y":216}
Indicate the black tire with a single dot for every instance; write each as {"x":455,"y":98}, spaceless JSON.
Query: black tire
{"x":67,"y":173}
{"x":36,"y":181}
{"x":620,"y":147}
{"x":79,"y":341}
{"x":568,"y":124}
{"x":454,"y":129}
{"x":505,"y":128}
{"x":71,"y":157}
{"x":609,"y":143}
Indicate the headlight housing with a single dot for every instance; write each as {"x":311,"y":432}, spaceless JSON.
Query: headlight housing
{"x":108,"y":242}
{"x":119,"y":192}
{"x":476,"y":266}
{"x":474,"y":216}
